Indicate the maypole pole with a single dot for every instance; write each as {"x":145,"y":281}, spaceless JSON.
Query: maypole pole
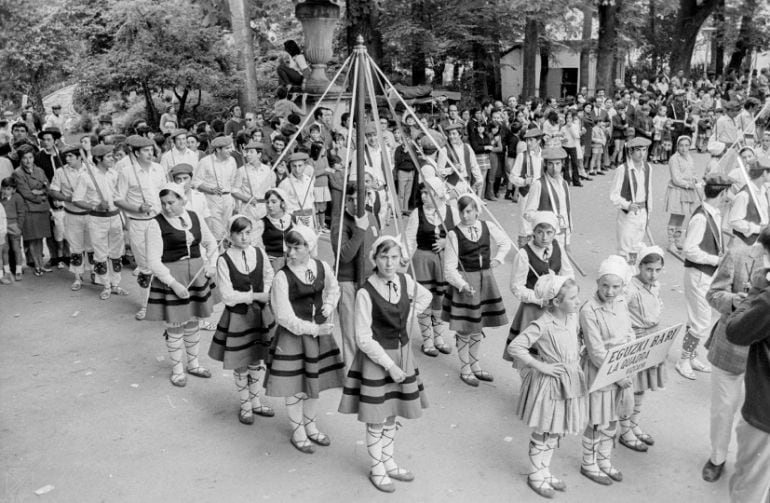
{"x":360,"y":104}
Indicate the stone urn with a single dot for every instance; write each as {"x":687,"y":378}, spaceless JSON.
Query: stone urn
{"x":318,"y":18}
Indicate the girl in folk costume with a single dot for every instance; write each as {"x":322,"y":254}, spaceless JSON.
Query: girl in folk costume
{"x":553,"y":388}
{"x":541,"y":256}
{"x":644,"y":306}
{"x":605,"y":323}
{"x":426,"y":239}
{"x":703,"y":249}
{"x":180,"y":293}
{"x":551,"y":193}
{"x":271,"y":230}
{"x":383,"y":382}
{"x":304,"y":359}
{"x":242,"y":338}
{"x":631,"y":194}
{"x":472,"y":300}
{"x":682,"y":192}
{"x":252,"y":181}
{"x":527,"y":168}
{"x":298,"y":187}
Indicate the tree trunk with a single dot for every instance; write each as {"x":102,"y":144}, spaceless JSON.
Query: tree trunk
{"x":151,"y":114}
{"x":480,"y":71}
{"x":745,"y":44}
{"x":529,"y":63}
{"x":182,"y":102}
{"x":363,"y":18}
{"x":718,"y":41}
{"x":585,"y":47}
{"x":545,"y":56}
{"x":607,"y":44}
{"x":494,"y":82}
{"x":689,"y":20}
{"x":418,"y":52}
{"x":651,"y":37}
{"x":244,"y":41}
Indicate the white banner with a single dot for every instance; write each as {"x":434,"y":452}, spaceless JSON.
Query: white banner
{"x":628,"y":359}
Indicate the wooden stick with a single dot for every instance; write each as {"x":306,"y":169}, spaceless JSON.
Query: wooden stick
{"x":574,"y":263}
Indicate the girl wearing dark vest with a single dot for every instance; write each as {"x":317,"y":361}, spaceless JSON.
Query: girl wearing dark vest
{"x":180,"y":293}
{"x":553,"y":387}
{"x":644,"y":307}
{"x":272,"y":229}
{"x":703,"y":248}
{"x":242,"y":338}
{"x":426,"y":238}
{"x":383,"y":382}
{"x":539,"y":257}
{"x":472,"y":300}
{"x":304,"y":359}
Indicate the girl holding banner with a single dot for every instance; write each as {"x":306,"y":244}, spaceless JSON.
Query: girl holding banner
{"x":644,"y":307}
{"x":553,"y":387}
{"x":605,"y":323}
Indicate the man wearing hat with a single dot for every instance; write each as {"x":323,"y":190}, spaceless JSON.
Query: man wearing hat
{"x":551,"y":193}
{"x":749,"y":210}
{"x":194,"y":200}
{"x":55,"y":120}
{"x":252,"y":180}
{"x":179,"y":153}
{"x":702,"y":250}
{"x":726,"y":128}
{"x":631,"y":193}
{"x":298,"y":186}
{"x":96,"y":192}
{"x":215,"y":177}
{"x":466,"y":174}
{"x":527,"y":169}
{"x":105,"y":126}
{"x":75,"y":219}
{"x":405,"y":172}
{"x":643,"y":125}
{"x":48,"y":159}
{"x":376,"y":157}
{"x":139,"y":180}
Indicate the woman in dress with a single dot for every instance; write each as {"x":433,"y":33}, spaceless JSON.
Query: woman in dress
{"x":271,"y":230}
{"x":472,"y":300}
{"x":553,"y":387}
{"x":382,"y":382}
{"x":682,"y":192}
{"x":426,"y":239}
{"x":605,"y":323}
{"x":304,"y":359}
{"x":180,"y":293}
{"x":644,"y":307}
{"x":32,"y":186}
{"x":242,"y":339}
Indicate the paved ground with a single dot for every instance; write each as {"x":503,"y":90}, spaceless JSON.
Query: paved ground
{"x":88,"y":408}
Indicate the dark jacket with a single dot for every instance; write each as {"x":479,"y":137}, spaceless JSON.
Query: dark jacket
{"x":750,"y":326}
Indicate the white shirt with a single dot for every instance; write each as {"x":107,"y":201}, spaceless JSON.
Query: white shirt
{"x":458,"y":151}
{"x":85,"y":191}
{"x":282,"y":304}
{"x":174,"y":156}
{"x":638,"y":190}
{"x":196,"y":202}
{"x":299,"y":193}
{"x":65,"y":180}
{"x":737,"y":215}
{"x":216,"y":174}
{"x":520,"y":271}
{"x":363,"y":313}
{"x":451,"y":261}
{"x":535,"y":168}
{"x":230,"y":296}
{"x":137,"y":184}
{"x":154,"y":242}
{"x":696,"y":227}
{"x":558,"y":197}
{"x":254,"y":181}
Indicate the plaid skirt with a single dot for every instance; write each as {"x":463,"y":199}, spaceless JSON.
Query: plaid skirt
{"x":429,"y":272}
{"x":483,"y":161}
{"x":468,"y":314}
{"x":302,"y":364}
{"x":164,"y":305}
{"x":371,"y":393}
{"x":242,"y":339}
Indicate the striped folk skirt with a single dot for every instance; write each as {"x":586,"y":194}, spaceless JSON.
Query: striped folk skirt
{"x":371,"y":393}
{"x":429,"y":272}
{"x":525,"y":314}
{"x":164,"y":305}
{"x":303,"y":364}
{"x":468,"y":314}
{"x":242,"y":339}
{"x":609,"y":403}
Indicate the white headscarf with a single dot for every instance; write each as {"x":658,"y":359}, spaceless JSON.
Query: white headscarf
{"x":548,"y":286}
{"x":309,"y":236}
{"x":617,"y":265}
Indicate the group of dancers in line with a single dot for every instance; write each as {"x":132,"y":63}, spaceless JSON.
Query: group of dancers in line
{"x":280,"y":301}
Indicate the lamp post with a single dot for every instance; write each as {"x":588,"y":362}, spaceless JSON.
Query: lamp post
{"x":318,"y":18}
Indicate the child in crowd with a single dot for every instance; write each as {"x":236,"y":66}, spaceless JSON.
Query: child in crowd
{"x":15,"y":213}
{"x":659,"y":125}
{"x":598,"y":140}
{"x":553,"y":387}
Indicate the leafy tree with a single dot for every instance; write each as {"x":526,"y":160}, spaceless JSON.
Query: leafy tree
{"x":151,"y":45}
